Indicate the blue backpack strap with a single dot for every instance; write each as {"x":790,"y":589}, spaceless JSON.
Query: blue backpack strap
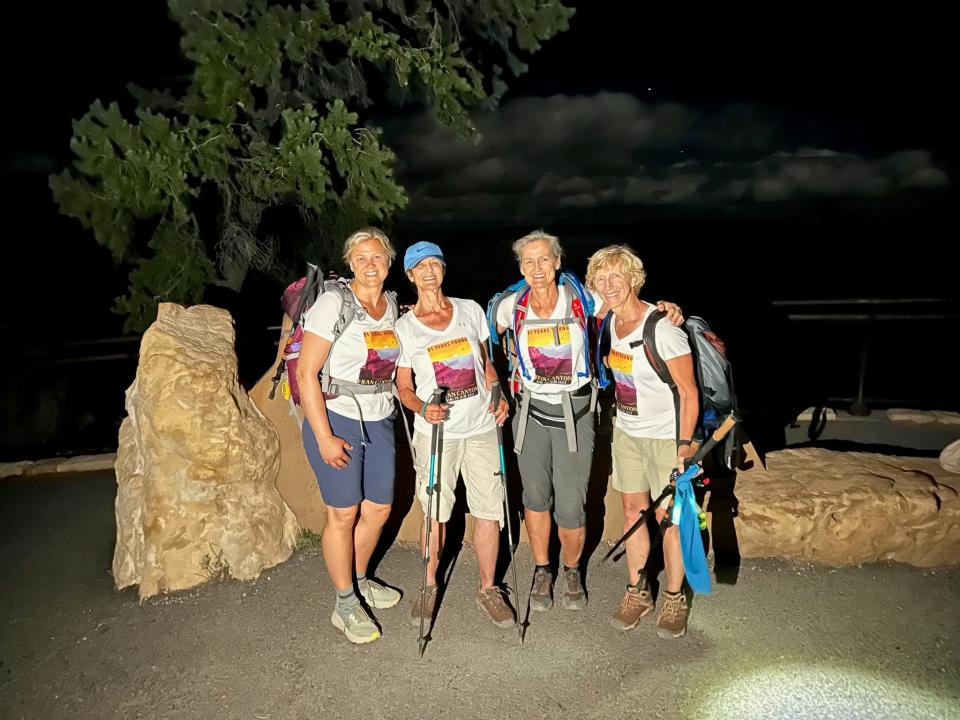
{"x":516,"y":325}
{"x":492,"y":308}
{"x":602,"y":332}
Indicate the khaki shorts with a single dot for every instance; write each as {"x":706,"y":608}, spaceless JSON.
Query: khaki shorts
{"x":477,"y":458}
{"x":642,"y":464}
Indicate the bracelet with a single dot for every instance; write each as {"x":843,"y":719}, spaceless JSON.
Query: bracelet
{"x":684,"y":443}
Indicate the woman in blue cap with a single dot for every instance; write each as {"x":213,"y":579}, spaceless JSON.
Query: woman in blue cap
{"x":348,"y":429}
{"x":442,"y":346}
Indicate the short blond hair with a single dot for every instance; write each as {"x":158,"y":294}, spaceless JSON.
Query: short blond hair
{"x":536,"y":236}
{"x":619,"y":257}
{"x":368,"y":233}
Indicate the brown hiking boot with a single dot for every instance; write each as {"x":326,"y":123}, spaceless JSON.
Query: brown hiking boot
{"x":541,"y":594}
{"x":672,"y":622}
{"x":635,"y":604}
{"x":574,"y":597}
{"x":493,"y":604}
{"x":430,"y":604}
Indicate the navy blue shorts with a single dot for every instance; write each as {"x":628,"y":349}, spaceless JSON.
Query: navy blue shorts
{"x":370,"y":473}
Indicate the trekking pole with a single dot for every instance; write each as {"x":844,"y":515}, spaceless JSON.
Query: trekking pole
{"x":435,"y":399}
{"x":719,"y":434}
{"x":495,"y":401}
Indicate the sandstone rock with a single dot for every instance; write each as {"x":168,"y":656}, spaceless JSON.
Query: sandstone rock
{"x":296,"y":482}
{"x":917,"y":417}
{"x":950,"y":457}
{"x":197,"y":463}
{"x":849,"y":508}
{"x":14,"y":469}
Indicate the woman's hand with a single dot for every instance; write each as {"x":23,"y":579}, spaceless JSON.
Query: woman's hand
{"x":333,"y":450}
{"x":673,"y":311}
{"x":435,"y":413}
{"x":502,"y":411}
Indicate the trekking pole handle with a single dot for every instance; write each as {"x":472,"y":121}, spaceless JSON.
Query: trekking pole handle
{"x":495,"y":393}
{"x":719,"y":434}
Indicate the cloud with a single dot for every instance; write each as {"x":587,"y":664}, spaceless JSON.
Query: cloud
{"x":559,"y":157}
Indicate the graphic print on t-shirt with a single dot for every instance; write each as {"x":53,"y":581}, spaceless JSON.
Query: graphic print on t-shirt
{"x":454,"y":368}
{"x":622,"y":366}
{"x":550,"y":354}
{"x":383,"y":350}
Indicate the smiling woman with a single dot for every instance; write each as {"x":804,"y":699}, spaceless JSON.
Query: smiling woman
{"x":348,"y":431}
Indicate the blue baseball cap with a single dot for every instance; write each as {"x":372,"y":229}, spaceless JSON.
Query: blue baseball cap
{"x":418,"y":251}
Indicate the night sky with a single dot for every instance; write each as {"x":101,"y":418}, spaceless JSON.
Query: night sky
{"x":812,"y":151}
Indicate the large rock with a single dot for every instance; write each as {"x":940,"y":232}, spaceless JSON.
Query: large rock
{"x":197,"y":463}
{"x":849,"y":508}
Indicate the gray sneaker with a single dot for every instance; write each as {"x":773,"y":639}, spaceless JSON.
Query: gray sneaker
{"x":541,"y":594}
{"x":356,"y":625}
{"x":573,"y":597}
{"x":430,"y":604}
{"x":378,"y":595}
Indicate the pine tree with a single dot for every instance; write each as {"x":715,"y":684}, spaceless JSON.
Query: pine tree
{"x":268,"y":118}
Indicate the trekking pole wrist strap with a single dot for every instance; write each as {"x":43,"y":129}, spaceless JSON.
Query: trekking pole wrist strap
{"x":684,"y":443}
{"x":423,"y":409}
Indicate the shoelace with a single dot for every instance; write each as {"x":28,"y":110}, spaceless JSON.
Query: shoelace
{"x":631,"y":599}
{"x":541,"y":583}
{"x":573,"y":581}
{"x":671,"y":609}
{"x":357,"y":616}
{"x":494,"y":597}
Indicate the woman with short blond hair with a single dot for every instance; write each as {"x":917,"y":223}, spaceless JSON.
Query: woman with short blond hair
{"x":646,"y":447}
{"x":348,"y":432}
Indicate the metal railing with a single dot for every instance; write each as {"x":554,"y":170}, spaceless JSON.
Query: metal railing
{"x":876,"y":312}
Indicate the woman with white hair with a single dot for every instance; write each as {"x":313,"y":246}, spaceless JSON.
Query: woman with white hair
{"x":646,"y":443}
{"x":348,"y":432}
{"x":554,"y":385}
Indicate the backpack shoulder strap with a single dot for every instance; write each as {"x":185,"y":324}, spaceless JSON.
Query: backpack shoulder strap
{"x":493,"y":307}
{"x":650,"y":347}
{"x":392,"y":303}
{"x":658,"y":364}
{"x":348,"y":306}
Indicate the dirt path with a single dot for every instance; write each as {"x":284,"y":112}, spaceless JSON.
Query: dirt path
{"x":786,"y":640}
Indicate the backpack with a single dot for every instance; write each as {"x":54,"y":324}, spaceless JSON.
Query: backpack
{"x":581,"y":309}
{"x":712,"y":371}
{"x":296,"y":301}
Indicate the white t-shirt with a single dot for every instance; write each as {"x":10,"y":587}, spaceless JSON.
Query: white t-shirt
{"x":645,"y":407}
{"x":450,"y":357}
{"x":365,"y":353}
{"x":552,"y":354}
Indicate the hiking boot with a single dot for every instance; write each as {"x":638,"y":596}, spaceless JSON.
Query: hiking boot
{"x":493,"y":604}
{"x":635,"y":604}
{"x":541,"y":594}
{"x":672,"y":622}
{"x":430,"y":603}
{"x":356,"y":625}
{"x":574,"y":597}
{"x":378,"y":595}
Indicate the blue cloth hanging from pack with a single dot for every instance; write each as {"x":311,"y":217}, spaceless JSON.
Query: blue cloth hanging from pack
{"x":685,"y":514}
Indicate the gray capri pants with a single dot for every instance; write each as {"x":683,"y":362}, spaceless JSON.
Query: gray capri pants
{"x":551,"y":475}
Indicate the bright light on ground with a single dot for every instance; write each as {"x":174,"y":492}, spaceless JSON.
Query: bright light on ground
{"x":798,"y":692}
